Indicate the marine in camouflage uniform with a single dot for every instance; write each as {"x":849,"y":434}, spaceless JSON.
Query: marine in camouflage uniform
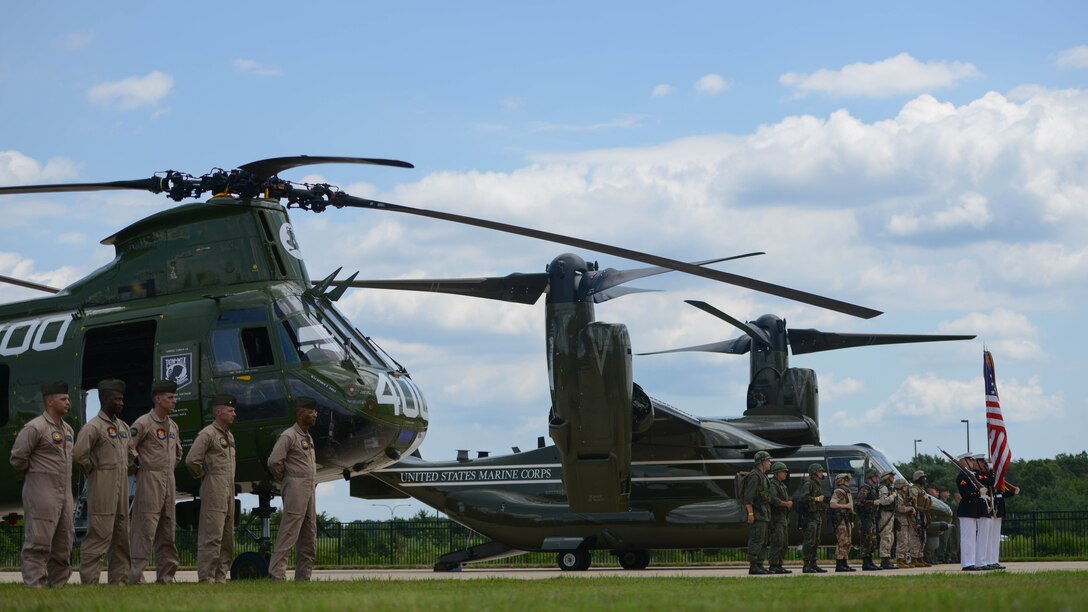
{"x":842,"y":511}
{"x":920,"y":501}
{"x":904,"y":514}
{"x":886,"y":519}
{"x":780,"y":518}
{"x":103,"y":453}
{"x":757,"y":500}
{"x":815,"y":504}
{"x":869,"y":515}
{"x":42,"y":453}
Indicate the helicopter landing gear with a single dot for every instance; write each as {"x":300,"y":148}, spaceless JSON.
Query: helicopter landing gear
{"x":633,"y":559}
{"x":254,"y":565}
{"x":573,"y":560}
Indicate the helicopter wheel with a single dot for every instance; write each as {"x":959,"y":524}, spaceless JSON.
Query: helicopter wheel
{"x":249,"y":566}
{"x":634,"y":559}
{"x":573,"y":560}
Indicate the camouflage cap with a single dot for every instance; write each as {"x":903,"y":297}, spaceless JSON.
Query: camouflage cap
{"x":918,"y":475}
{"x":163,"y":386}
{"x":816,"y":467}
{"x":871,"y":472}
{"x":762,"y":456}
{"x":844,"y":476}
{"x":900,"y":483}
{"x":56,"y":387}
{"x":779,"y":467}
{"x":112,"y":384}
{"x":888,"y":473}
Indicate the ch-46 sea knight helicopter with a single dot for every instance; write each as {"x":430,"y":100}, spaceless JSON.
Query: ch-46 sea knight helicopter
{"x":628,"y":473}
{"x":215,"y":296}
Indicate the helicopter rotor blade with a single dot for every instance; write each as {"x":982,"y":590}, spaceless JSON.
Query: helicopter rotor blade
{"x":610,"y":277}
{"x":341,"y":200}
{"x":812,"y":341}
{"x":29,"y":285}
{"x":736,"y":346}
{"x":153,"y":184}
{"x":519,"y":288}
{"x":754,"y":333}
{"x":267,"y":168}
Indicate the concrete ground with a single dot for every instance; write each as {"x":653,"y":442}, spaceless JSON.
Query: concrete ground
{"x":542,"y":573}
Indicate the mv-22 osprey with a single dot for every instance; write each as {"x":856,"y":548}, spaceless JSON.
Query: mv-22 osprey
{"x":628,"y":473}
{"x":215,"y":296}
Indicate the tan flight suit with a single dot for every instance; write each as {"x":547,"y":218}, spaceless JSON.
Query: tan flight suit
{"x":292,"y":463}
{"x":103,"y":453}
{"x":211,"y":460}
{"x":42,"y":453}
{"x":158,"y":450}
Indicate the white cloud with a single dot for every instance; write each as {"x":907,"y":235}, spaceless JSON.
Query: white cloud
{"x":622,"y":122}
{"x":255,"y":67}
{"x":662,"y":90}
{"x":78,"y":40}
{"x":1076,"y":57}
{"x":132,"y":92}
{"x":894,"y":76}
{"x":711,"y":84}
{"x":935,"y":399}
{"x":833,"y":388}
{"x":19,"y":169}
{"x":512,"y":103}
{"x":969,"y":211}
{"x":1005,"y":332}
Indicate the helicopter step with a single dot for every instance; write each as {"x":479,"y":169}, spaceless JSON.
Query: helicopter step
{"x":451,"y":562}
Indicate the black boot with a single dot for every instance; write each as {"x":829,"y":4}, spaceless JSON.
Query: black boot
{"x":868,"y":565}
{"x":756,"y":569}
{"x":886,"y":564}
{"x":778,"y":569}
{"x":810,"y":568}
{"x":818,"y":569}
{"x":841,"y":566}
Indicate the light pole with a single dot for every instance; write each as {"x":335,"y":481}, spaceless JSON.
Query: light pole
{"x":392,"y":509}
{"x":916,"y":448}
{"x":968,"y":424}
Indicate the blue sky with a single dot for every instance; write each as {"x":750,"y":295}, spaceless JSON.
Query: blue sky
{"x":926,"y":160}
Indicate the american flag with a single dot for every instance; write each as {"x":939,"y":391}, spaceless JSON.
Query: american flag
{"x":1000,"y":455}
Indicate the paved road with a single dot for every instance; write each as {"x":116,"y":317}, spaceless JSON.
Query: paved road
{"x":543,"y":573}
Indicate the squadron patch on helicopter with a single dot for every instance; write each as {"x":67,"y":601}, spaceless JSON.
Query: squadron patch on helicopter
{"x":287,"y":239}
{"x":178,"y":368}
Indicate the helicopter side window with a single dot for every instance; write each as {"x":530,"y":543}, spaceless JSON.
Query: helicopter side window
{"x":353,"y":338}
{"x":257,"y":347}
{"x":239,"y":348}
{"x":855,"y":466}
{"x":227,"y":350}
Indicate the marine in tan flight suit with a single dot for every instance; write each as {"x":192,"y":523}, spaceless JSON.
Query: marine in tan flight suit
{"x":292,"y":464}
{"x":154,"y":438}
{"x":211,"y":460}
{"x":42,"y":453}
{"x":103,"y":453}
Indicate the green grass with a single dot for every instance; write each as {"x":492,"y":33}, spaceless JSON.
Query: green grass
{"x":991,"y":591}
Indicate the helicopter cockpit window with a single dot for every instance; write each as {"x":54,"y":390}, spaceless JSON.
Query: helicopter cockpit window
{"x":311,"y":340}
{"x":257,"y":347}
{"x":354,"y":339}
{"x":227,"y":350}
{"x":287,"y":306}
